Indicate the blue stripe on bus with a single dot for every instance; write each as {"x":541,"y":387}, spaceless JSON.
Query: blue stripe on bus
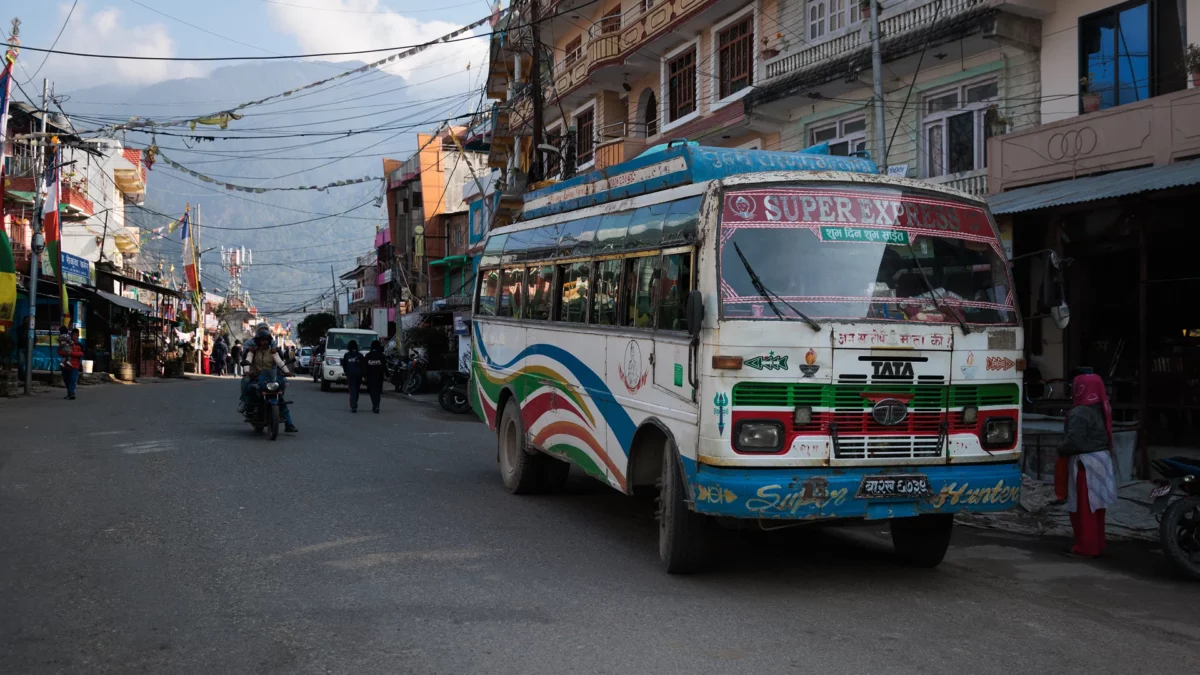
{"x":614,"y":414}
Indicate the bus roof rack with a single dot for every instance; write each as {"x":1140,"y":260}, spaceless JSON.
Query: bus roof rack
{"x":674,"y":166}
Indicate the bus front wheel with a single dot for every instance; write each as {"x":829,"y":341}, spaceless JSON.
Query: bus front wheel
{"x":922,"y":541}
{"x":680,"y":530}
{"x":522,"y":471}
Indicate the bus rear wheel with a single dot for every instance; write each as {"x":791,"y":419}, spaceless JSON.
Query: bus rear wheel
{"x":681,"y":531}
{"x":523,"y":472}
{"x":922,"y":541}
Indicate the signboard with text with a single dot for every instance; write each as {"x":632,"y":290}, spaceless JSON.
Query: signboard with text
{"x":78,"y":271}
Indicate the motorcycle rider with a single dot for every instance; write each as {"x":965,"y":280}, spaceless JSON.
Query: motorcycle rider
{"x":262,"y":356}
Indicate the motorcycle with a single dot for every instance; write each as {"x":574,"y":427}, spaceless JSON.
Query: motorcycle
{"x":453,"y":396}
{"x":409,"y":375}
{"x":1176,"y":501}
{"x":263,"y":407}
{"x":397,"y":371}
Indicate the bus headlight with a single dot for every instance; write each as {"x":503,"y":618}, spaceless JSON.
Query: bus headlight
{"x":765,"y":436}
{"x":998,"y":432}
{"x":970,"y":414}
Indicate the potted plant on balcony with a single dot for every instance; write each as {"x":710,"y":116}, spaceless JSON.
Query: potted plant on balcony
{"x":1191,"y":61}
{"x":1090,"y":99}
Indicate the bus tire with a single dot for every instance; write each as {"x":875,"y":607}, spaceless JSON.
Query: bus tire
{"x":922,"y":541}
{"x":523,"y":473}
{"x":681,"y":531}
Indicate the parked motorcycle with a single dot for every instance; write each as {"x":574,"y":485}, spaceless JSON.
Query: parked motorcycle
{"x":263,"y":407}
{"x":453,"y":396}
{"x":416,"y":375}
{"x":397,"y":371}
{"x":1176,"y":500}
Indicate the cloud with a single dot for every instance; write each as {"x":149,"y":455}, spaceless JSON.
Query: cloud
{"x":366,"y":24}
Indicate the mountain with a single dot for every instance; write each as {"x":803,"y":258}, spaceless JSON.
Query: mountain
{"x":291,"y":263}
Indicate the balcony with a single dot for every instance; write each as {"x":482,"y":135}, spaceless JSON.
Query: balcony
{"x":364,"y":296}
{"x":618,"y":143}
{"x":74,"y":203}
{"x":970,"y":182}
{"x":906,"y":29}
{"x":1154,"y":132}
{"x":131,"y":180}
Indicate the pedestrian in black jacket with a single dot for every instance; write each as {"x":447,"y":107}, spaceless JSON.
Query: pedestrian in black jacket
{"x":352,"y":365}
{"x":376,"y":373}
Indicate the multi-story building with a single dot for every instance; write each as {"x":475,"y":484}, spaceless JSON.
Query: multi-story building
{"x":1109,"y":181}
{"x":364,"y":293}
{"x":427,"y":217}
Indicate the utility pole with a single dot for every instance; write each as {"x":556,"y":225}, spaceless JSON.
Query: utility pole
{"x":39,"y":241}
{"x":333,"y":285}
{"x":535,"y":76}
{"x":877,"y":78}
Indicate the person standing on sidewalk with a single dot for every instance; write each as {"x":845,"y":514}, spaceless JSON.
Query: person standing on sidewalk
{"x":352,"y":366}
{"x":72,"y":353}
{"x":1091,"y":485}
{"x":376,"y":373}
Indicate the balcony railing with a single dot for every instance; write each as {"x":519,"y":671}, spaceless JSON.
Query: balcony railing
{"x":971,"y":182}
{"x":364,"y":294}
{"x":619,"y":142}
{"x":893,"y":22}
{"x":76,"y":201}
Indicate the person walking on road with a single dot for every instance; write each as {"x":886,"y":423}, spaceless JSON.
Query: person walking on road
{"x":1091,"y":485}
{"x":352,"y":365}
{"x":375,"y":367}
{"x":235,"y":358}
{"x":219,"y":353}
{"x":72,"y":353}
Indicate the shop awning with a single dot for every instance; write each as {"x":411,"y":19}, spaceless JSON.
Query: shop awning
{"x":450,"y":261}
{"x":1096,"y":188}
{"x":127,"y":303}
{"x":20,"y":196}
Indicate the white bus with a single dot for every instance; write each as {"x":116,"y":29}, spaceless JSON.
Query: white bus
{"x":771,"y":337}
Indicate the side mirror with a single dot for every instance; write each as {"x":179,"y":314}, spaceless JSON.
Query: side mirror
{"x":695,"y":312}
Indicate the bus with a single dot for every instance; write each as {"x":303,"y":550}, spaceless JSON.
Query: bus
{"x":765,"y":338}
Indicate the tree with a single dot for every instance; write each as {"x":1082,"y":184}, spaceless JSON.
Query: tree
{"x":314,"y":326}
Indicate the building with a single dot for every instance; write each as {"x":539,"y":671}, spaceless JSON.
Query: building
{"x":364,"y":291}
{"x":1108,"y":181}
{"x":427,"y":217}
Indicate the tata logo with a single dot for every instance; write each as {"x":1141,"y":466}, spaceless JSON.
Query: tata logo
{"x":896,"y":369}
{"x":890,"y":411}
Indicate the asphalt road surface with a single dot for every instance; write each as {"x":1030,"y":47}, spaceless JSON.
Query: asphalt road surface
{"x":146,"y":529}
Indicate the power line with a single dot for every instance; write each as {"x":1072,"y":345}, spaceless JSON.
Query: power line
{"x":54,"y":44}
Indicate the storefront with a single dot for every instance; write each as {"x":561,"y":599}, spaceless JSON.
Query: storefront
{"x":1113,"y":194}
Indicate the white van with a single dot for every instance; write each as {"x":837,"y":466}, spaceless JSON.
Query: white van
{"x":336,"y":340}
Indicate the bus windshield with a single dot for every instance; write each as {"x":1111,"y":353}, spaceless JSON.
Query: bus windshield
{"x":877,"y":253}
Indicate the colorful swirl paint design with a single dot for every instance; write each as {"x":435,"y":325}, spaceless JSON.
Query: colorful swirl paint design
{"x":562,"y":421}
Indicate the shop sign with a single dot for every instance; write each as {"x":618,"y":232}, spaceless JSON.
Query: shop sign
{"x":78,"y":271}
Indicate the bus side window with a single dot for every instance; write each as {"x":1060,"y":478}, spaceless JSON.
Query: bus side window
{"x":672,"y":291}
{"x":639,"y":288}
{"x":605,"y":304}
{"x":512,"y":293}
{"x":573,"y":292}
{"x":490,"y":282}
{"x":540,"y":293}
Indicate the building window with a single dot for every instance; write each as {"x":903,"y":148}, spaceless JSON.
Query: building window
{"x":611,"y":21}
{"x":956,"y":128}
{"x":573,"y":51}
{"x":651,"y":115}
{"x":845,"y":137}
{"x":681,"y":85}
{"x":585,"y":136}
{"x":1115,"y":54}
{"x":829,"y":17}
{"x":735,"y":56}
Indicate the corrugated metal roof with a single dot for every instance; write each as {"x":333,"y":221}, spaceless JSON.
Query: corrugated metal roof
{"x":1094,"y":188}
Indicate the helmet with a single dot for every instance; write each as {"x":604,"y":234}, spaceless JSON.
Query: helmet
{"x":262,"y":334}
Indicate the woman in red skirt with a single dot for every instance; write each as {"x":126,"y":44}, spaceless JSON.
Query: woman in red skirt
{"x":1091,"y":484}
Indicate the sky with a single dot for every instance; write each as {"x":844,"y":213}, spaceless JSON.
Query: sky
{"x":232,"y":28}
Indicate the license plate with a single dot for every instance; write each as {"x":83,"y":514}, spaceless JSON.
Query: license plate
{"x":912,"y":486}
{"x":1160,"y":491}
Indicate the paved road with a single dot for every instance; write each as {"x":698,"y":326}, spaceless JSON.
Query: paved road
{"x":144,"y":529}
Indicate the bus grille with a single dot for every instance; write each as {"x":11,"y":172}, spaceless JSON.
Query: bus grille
{"x":888,"y":447}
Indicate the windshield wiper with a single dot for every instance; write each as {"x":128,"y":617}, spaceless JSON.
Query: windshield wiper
{"x":762,"y":290}
{"x":937,"y":299}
